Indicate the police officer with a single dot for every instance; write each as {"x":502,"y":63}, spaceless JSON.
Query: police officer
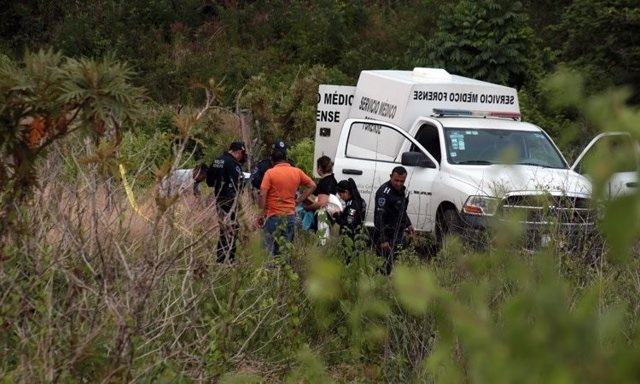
{"x":226,"y":177}
{"x":257,"y":173}
{"x":390,"y":217}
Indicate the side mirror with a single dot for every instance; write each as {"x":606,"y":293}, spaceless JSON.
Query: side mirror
{"x":417,"y":159}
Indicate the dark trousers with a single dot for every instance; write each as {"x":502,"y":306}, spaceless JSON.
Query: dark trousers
{"x":353,"y":241}
{"x":228,"y":225}
{"x":389,"y":255}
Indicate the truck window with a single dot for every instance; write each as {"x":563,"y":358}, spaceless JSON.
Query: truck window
{"x":428,"y":137}
{"x":483,"y":146}
{"x":374,"y":142}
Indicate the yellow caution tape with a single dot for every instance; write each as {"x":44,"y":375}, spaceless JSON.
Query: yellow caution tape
{"x":132,"y":200}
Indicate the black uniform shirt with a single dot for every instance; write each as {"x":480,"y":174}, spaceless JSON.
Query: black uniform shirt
{"x":351,"y":218}
{"x":225,"y":175}
{"x":390,"y":216}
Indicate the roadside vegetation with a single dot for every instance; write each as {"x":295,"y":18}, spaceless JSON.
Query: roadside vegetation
{"x":103,"y":280}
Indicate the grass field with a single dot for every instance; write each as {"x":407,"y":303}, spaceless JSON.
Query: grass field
{"x":93,"y":291}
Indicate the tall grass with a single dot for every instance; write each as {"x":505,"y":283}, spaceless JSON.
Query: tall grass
{"x":93,"y":291}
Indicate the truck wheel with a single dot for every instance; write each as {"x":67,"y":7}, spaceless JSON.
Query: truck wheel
{"x":448,"y":224}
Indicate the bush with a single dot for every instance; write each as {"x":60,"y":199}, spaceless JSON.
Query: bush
{"x":100,"y":282}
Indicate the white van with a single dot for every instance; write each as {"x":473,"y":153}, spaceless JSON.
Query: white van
{"x":468,"y":156}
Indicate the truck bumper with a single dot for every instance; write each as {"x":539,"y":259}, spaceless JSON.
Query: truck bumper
{"x":536,"y":235}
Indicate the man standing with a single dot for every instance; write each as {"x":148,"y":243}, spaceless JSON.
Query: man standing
{"x":391,"y":219}
{"x":278,"y":198}
{"x":226,"y":177}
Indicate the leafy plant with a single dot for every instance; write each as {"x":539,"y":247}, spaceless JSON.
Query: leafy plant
{"x":50,"y":96}
{"x":487,"y":40}
{"x":612,"y":62}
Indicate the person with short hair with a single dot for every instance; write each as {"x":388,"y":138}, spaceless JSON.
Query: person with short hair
{"x":278,"y":199}
{"x":390,"y":217}
{"x":226,"y":177}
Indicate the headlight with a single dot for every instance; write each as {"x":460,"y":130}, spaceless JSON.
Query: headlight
{"x":481,"y":205}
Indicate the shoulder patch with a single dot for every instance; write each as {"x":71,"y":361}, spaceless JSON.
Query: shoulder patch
{"x":381,"y":201}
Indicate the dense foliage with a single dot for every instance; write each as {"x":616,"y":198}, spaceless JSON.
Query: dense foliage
{"x":484,"y":40}
{"x":258,"y":51}
{"x":49,"y":97}
{"x":102,"y":279}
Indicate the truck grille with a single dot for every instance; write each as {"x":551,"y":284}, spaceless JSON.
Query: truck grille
{"x":547,"y":209}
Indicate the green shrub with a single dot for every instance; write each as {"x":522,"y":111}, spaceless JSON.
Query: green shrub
{"x":94,"y":289}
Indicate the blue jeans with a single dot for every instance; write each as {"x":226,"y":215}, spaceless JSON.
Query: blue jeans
{"x":276,"y":227}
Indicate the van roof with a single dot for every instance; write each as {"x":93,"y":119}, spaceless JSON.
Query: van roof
{"x":431,"y":76}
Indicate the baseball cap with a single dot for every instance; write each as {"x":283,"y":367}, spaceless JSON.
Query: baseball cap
{"x":279,"y":145}
{"x":237,"y":145}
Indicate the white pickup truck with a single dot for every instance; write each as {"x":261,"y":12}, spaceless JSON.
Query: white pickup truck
{"x":469,"y":157}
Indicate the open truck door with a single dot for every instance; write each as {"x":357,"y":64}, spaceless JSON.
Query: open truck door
{"x":624,"y":181}
{"x":368,"y":153}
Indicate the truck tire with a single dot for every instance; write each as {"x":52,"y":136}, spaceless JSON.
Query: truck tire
{"x":448,"y":224}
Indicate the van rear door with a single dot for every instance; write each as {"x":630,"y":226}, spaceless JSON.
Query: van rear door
{"x":334,"y":103}
{"x":368,"y":152}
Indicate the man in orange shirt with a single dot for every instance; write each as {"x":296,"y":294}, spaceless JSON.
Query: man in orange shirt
{"x":278,"y":199}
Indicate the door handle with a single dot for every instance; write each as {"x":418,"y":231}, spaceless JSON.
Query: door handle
{"x":632,"y":184}
{"x":352,"y":172}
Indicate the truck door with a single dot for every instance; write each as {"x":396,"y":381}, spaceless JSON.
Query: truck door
{"x":429,"y":137}
{"x":371,"y":151}
{"x":615,"y":148}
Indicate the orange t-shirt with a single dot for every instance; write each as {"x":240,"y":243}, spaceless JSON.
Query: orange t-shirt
{"x":280,"y":184}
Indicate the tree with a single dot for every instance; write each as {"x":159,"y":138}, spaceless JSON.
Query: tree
{"x":48,"y":97}
{"x":601,"y":38}
{"x":488,"y":40}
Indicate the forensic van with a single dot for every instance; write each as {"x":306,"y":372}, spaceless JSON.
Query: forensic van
{"x":470,"y":159}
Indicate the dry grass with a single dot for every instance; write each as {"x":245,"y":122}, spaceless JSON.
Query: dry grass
{"x":132,"y":277}
{"x":98,"y":292}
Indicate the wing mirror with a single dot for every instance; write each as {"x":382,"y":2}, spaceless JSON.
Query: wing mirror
{"x":417,"y":159}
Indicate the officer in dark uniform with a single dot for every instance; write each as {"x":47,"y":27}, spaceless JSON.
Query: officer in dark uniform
{"x":390,"y":217}
{"x":226,"y":177}
{"x":257,"y":173}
